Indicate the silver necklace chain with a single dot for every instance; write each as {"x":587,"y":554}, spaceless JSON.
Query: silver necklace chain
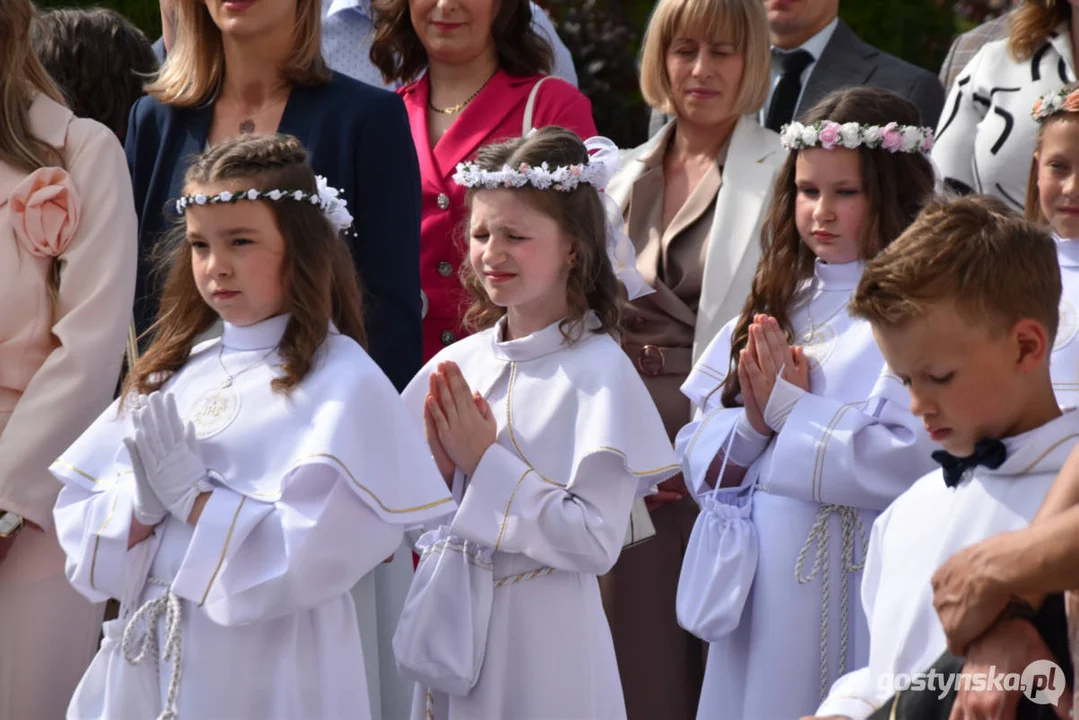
{"x":807,"y":338}
{"x":229,"y":377}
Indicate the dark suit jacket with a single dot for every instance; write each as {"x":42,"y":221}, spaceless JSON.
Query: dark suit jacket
{"x":358,"y":137}
{"x":848,"y":62}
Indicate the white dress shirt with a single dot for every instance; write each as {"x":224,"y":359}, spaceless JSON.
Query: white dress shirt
{"x":348,"y":29}
{"x":814,"y":46}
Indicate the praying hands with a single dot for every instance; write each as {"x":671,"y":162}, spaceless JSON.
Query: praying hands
{"x":767,"y":357}
{"x":459,"y":423}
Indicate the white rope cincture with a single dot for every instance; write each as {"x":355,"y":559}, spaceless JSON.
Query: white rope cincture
{"x":167,"y":604}
{"x":851,"y":524}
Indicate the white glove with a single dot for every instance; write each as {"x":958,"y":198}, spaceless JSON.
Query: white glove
{"x":169,"y":455}
{"x":148,"y":509}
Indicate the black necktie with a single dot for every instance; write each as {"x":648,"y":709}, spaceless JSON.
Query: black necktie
{"x":788,"y":89}
{"x":988,"y":452}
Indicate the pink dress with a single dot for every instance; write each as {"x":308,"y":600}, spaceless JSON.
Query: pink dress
{"x":60,"y":355}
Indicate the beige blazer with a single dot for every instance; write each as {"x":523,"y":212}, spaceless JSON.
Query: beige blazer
{"x":60,"y":359}
{"x":753,"y":157}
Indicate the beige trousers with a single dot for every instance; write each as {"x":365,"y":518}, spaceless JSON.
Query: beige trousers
{"x":48,"y":632}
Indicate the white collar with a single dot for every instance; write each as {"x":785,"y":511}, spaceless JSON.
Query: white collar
{"x":332,"y":7}
{"x":1040,"y":450}
{"x":838,"y":277}
{"x":1067,"y":251}
{"x":814,"y":45}
{"x":260,"y":336}
{"x":539,"y":344}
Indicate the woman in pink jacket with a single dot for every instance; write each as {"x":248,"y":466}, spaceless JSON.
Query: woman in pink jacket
{"x":473,"y":68}
{"x":67,"y":280}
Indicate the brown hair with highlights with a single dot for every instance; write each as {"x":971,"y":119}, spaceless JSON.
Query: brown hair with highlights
{"x":318,"y":274}
{"x":400,"y":56}
{"x":21,"y":77}
{"x":1031,"y":24}
{"x":975,"y":252}
{"x":195,"y":67}
{"x":592,"y":284}
{"x":896,"y":184}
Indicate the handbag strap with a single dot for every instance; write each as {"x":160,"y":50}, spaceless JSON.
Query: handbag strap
{"x":526,"y":126}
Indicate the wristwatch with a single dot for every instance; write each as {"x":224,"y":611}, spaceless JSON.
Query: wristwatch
{"x":10,"y":524}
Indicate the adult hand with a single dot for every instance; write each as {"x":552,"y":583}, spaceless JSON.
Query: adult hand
{"x":670,"y":491}
{"x":7,"y":543}
{"x":169,"y":454}
{"x":1007,"y":648}
{"x":463,"y":429}
{"x":967,"y":598}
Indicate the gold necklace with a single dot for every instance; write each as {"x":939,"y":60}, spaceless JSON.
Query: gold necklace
{"x":457,"y":108}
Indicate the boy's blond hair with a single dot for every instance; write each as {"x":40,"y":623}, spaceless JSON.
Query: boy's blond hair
{"x":975,"y":252}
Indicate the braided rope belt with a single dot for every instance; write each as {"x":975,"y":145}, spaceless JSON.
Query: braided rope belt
{"x":851,"y":525}
{"x":167,"y":604}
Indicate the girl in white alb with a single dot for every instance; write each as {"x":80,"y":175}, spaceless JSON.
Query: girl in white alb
{"x":240,"y":487}
{"x":802,"y":435}
{"x":1053,"y":200}
{"x":544,"y":431}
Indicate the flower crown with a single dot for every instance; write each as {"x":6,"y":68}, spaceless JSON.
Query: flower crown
{"x":828,"y":134}
{"x":1050,"y":103}
{"x":325,"y":197}
{"x":563,"y":178}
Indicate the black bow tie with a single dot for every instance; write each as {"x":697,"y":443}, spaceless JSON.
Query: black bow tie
{"x":988,"y":452}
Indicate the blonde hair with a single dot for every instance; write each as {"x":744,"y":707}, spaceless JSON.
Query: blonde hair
{"x":974,"y":252}
{"x":747,"y":25}
{"x":195,"y":66}
{"x":21,"y":76}
{"x":1032,"y":23}
{"x":1066,"y":113}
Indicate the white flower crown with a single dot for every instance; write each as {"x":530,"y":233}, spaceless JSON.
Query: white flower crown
{"x":326,"y":198}
{"x":563,"y":178}
{"x":1052,"y":102}
{"x":603,"y":163}
{"x":828,"y":134}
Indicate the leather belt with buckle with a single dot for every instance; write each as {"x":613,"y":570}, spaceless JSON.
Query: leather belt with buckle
{"x":650,"y":361}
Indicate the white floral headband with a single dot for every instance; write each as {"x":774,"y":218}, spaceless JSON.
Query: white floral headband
{"x":1050,"y":103}
{"x":603,"y":163}
{"x":326,"y":198}
{"x":828,"y":134}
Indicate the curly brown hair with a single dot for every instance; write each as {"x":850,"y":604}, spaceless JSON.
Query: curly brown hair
{"x":897,"y":185}
{"x":1032,"y":23}
{"x":85,"y":50}
{"x":400,"y":56}
{"x":318,"y":274}
{"x":592,"y":284}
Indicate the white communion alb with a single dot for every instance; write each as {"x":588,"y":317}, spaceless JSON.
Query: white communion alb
{"x":840,"y":454}
{"x":250,"y":607}
{"x":578,"y":440}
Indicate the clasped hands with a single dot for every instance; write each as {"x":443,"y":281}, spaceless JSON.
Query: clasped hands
{"x":458,"y":422}
{"x":165,"y":461}
{"x":766,"y":356}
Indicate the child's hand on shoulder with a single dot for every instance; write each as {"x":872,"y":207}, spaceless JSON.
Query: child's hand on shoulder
{"x":462,"y":419}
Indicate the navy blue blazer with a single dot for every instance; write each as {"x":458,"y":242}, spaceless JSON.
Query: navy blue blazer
{"x":358,"y":137}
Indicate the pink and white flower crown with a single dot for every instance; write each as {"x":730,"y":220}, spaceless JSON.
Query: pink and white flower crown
{"x":828,"y":135}
{"x":1052,"y":103}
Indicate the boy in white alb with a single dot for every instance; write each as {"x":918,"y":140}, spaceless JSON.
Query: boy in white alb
{"x":964,"y":306}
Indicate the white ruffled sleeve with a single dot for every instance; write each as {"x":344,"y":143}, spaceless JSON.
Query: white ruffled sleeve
{"x":250,"y":561}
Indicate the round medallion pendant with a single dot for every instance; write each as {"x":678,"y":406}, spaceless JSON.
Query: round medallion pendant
{"x":214,"y":411}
